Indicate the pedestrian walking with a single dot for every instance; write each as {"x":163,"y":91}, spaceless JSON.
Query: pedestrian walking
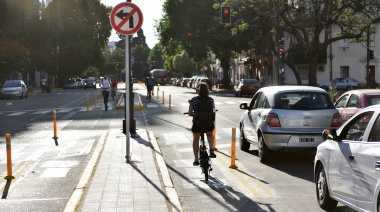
{"x":43,"y":85}
{"x":105,"y":85}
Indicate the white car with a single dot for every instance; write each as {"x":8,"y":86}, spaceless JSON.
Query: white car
{"x":347,"y":164}
{"x":14,"y":88}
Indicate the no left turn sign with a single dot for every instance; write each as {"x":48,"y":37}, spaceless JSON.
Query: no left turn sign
{"x":126,"y":18}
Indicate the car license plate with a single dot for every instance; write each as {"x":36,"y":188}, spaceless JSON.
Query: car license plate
{"x":306,"y":140}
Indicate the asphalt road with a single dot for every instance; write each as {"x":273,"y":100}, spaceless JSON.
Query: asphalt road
{"x":46,"y":174}
{"x":284,"y":185}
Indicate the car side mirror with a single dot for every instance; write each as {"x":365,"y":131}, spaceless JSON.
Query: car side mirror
{"x":243,"y":106}
{"x":329,"y":134}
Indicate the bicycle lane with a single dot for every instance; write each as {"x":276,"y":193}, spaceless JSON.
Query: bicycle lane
{"x":227,"y":189}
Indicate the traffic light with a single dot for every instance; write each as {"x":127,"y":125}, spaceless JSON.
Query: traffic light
{"x":226,"y":15}
{"x":282,"y":52}
{"x":370,"y":54}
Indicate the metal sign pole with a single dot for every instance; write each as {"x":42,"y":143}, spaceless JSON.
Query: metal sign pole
{"x":127,"y":93}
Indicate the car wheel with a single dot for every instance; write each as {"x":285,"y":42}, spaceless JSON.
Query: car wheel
{"x":236,"y":94}
{"x":22,"y":95}
{"x":323,"y":195}
{"x":244,"y":145}
{"x":26,"y":96}
{"x":263,"y":151}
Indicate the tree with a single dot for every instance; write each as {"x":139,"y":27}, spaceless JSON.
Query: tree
{"x":195,"y":26}
{"x":310,"y":23}
{"x":79,"y":32}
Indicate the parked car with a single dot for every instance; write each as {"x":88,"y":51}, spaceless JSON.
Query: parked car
{"x":14,"y":88}
{"x":90,"y":82}
{"x":191,"y":82}
{"x":247,"y":87}
{"x":79,"y":81}
{"x":347,"y":164}
{"x":353,"y":101}
{"x":71,"y":83}
{"x":346,"y":83}
{"x":184,"y":82}
{"x":286,"y":118}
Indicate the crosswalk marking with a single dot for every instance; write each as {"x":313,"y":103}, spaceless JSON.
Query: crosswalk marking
{"x":16,"y":114}
{"x":41,"y":112}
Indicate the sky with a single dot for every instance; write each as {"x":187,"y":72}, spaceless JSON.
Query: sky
{"x":151,"y":11}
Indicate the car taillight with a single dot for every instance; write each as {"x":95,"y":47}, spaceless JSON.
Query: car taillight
{"x":337,"y":120}
{"x":273,"y":120}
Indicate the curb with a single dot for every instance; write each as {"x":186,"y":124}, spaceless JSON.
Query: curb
{"x":171,"y":193}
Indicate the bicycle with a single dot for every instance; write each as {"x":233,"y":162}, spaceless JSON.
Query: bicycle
{"x":204,"y":159}
{"x":149,"y":93}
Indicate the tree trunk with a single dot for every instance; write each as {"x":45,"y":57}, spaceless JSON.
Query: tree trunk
{"x":313,"y":66}
{"x":226,"y":81}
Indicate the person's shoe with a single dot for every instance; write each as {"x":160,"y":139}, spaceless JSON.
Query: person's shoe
{"x":106,"y":107}
{"x":212,"y":153}
{"x":196,"y":163}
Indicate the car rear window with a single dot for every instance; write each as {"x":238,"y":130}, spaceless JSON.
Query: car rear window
{"x":250,"y":81}
{"x":303,"y":101}
{"x":373,"y":100}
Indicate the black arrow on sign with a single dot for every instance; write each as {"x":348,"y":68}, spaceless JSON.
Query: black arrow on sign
{"x":122,"y":15}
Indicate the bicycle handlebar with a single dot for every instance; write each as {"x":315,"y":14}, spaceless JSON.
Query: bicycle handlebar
{"x":188,"y":112}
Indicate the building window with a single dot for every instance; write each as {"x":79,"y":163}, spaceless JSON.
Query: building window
{"x":304,"y":73}
{"x":344,"y":71}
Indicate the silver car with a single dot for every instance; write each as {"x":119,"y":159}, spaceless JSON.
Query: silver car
{"x":286,"y":118}
{"x":347,"y":164}
{"x":14,"y":88}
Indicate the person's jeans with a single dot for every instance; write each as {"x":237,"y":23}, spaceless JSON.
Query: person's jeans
{"x":105,"y":93}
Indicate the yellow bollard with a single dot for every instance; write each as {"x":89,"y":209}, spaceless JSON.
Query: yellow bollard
{"x":163,"y":97}
{"x":87,"y":104}
{"x":170,"y":101}
{"x":233,"y":149}
{"x":9,"y":157}
{"x":55,"y":127}
{"x":95,"y":103}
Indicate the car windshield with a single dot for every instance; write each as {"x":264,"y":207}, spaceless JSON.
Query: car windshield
{"x":8,"y":84}
{"x":303,"y":101}
{"x":90,"y":79}
{"x":353,"y":80}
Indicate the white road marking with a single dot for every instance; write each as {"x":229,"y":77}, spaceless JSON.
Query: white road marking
{"x":55,"y":172}
{"x":175,"y":138}
{"x":16,"y":114}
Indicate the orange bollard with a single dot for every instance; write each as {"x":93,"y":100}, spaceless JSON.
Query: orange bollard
{"x":87,"y":104}
{"x":9,"y":157}
{"x":95,"y":103}
{"x":233,"y":149}
{"x":55,"y":127}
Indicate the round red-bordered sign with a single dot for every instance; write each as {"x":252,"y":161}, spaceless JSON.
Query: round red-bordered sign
{"x":126,"y":18}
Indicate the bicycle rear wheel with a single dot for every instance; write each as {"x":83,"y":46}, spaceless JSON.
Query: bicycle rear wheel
{"x":204,"y":164}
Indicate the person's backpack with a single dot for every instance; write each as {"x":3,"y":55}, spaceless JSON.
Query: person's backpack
{"x":149,"y":82}
{"x":204,"y":114}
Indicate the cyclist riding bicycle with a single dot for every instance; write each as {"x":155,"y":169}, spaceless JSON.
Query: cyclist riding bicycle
{"x":149,"y":83}
{"x":203,"y":121}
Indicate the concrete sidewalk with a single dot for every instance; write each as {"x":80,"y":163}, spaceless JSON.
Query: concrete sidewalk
{"x":109,"y":183}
